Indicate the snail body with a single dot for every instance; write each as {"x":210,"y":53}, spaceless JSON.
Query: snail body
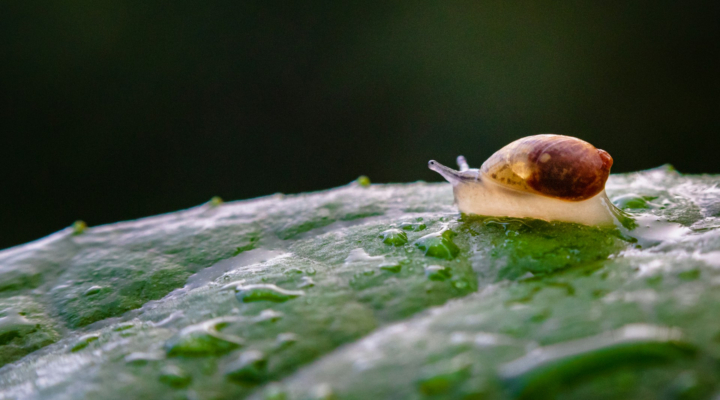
{"x":549,"y":177}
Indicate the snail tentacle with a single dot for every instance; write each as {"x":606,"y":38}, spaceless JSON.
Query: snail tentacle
{"x":452,"y":175}
{"x":462,"y":164}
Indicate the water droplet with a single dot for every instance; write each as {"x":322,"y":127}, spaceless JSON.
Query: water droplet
{"x":268,"y":315}
{"x":292,"y":271}
{"x":306,"y":282}
{"x":79,"y":227}
{"x":413,"y":226}
{"x":632,"y":201}
{"x":285,"y":340}
{"x":175,"y":316}
{"x":359,"y":255}
{"x":363,"y":181}
{"x":438,"y":245}
{"x":250,"y":367}
{"x":394,"y":237}
{"x":311,"y":271}
{"x":652,"y":231}
{"x":265,"y":292}
{"x":124,"y":327}
{"x":84,"y":341}
{"x":203,"y":339}
{"x":390,"y":267}
{"x":437,"y":272}
{"x":139,"y":358}
{"x":175,"y":377}
{"x":460,"y":284}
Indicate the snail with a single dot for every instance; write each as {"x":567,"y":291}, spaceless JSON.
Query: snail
{"x":549,"y":177}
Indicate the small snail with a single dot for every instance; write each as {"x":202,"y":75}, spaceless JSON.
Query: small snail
{"x":549,"y":177}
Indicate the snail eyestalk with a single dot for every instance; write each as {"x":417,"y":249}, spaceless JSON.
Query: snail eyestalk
{"x":462,"y":164}
{"x":448,"y":173}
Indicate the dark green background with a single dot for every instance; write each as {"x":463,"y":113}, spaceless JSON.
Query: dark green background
{"x":113,"y":110}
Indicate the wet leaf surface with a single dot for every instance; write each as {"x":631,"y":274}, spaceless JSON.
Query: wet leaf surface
{"x":380,"y":291}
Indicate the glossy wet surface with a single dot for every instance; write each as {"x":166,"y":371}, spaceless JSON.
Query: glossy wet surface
{"x":372,"y":292}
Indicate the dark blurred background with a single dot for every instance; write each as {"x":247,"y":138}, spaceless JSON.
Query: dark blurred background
{"x":113,"y":110}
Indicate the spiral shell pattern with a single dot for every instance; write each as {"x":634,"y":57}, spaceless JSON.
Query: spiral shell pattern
{"x":556,"y":166}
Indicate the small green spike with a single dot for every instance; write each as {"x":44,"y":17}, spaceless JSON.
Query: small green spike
{"x":215,"y":201}
{"x":363,"y":181}
{"x":79,"y":227}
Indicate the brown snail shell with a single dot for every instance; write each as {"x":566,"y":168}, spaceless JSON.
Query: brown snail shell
{"x":550,"y":177}
{"x":557,"y":166}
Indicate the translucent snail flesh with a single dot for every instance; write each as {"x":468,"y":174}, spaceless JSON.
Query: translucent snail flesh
{"x":549,"y":177}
